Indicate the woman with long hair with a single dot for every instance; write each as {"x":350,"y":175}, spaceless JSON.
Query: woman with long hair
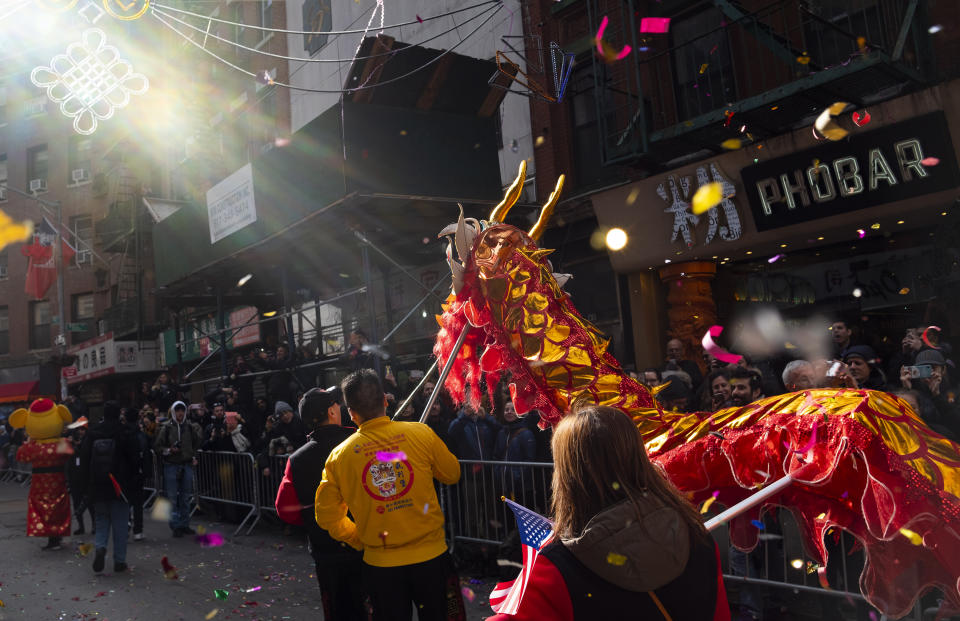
{"x":627,"y":545}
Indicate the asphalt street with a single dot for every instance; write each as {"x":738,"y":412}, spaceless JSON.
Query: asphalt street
{"x":267,"y":575}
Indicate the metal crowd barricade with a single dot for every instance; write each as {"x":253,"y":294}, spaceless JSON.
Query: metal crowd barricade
{"x":152,"y":477}
{"x":270,"y":483}
{"x":775,"y":575}
{"x":231,"y":479}
{"x":473,"y":507}
{"x":17,"y":472}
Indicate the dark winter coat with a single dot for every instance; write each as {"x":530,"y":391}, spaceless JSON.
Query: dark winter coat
{"x":125,"y":467}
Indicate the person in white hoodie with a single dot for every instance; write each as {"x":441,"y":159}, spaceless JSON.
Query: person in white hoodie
{"x":177,"y":442}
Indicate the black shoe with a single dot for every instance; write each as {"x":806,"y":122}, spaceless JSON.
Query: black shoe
{"x":119,"y":567}
{"x":98,"y":560}
{"x":80,"y":531}
{"x":178,"y":532}
{"x":186,"y":530}
{"x":53,"y":543}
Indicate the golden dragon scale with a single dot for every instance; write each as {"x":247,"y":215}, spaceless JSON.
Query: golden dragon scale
{"x":861,"y":460}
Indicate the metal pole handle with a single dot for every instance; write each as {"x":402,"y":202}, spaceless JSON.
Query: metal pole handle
{"x":446,"y":371}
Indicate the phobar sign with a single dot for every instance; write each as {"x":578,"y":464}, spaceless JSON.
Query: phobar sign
{"x":869,"y":169}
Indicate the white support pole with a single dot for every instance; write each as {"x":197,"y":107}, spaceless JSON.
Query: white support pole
{"x":749,"y":502}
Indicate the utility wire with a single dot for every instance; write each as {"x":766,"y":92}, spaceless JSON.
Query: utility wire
{"x":328,"y":32}
{"x":319,"y":60}
{"x":436,"y":59}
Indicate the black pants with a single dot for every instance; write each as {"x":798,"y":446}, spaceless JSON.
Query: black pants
{"x":80,"y":505}
{"x":136,"y":505}
{"x":432,"y":586}
{"x":341,"y":588}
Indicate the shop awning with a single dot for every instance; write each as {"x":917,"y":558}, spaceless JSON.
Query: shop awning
{"x":19,"y":391}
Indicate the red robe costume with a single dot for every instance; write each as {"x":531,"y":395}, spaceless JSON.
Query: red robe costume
{"x":48,"y":504}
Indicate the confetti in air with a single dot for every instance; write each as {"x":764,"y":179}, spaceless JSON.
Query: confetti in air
{"x":655,"y":24}
{"x":715,"y":350}
{"x":706,"y":505}
{"x":221,"y":593}
{"x":605,"y":51}
{"x":757,"y":523}
{"x":707,"y":197}
{"x":825,"y":124}
{"x":731,"y":144}
{"x":212,"y":614}
{"x":930,"y":161}
{"x":616,"y":559}
{"x":926,"y":337}
{"x":914,"y":538}
{"x":804,"y":59}
{"x":775,"y":258}
{"x":861,"y":233}
{"x":468,"y":593}
{"x":861,"y":120}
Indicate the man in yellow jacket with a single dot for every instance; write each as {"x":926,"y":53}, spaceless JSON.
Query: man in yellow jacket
{"x":383,"y":474}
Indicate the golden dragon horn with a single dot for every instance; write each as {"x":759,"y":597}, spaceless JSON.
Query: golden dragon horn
{"x":537,"y":231}
{"x":499,"y":213}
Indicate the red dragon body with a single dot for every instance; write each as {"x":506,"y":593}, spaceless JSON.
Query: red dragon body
{"x":861,"y":460}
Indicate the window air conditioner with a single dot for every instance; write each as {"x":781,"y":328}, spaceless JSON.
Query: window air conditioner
{"x":80,"y":175}
{"x":37,"y":107}
{"x":38,"y":185}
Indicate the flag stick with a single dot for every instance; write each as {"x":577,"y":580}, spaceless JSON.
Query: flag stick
{"x":749,"y":502}
{"x":414,"y":392}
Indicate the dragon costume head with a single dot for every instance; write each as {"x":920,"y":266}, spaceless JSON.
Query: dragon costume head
{"x":504,"y":284}
{"x":43,"y":420}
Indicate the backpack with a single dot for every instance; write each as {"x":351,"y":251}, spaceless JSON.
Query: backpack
{"x":102,"y":459}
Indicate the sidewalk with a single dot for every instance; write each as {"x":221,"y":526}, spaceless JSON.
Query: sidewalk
{"x":61,"y":585}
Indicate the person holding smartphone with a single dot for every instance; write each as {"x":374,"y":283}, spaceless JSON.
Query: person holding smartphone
{"x":938,"y":407}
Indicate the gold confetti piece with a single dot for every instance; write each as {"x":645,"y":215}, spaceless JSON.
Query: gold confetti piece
{"x":539,"y":141}
{"x":821,"y":516}
{"x":616,"y":559}
{"x":706,"y":505}
{"x":632,"y":197}
{"x":707,"y":197}
{"x":804,"y":59}
{"x":731,"y":143}
{"x":212,"y":614}
{"x":862,"y":43}
{"x":774,"y":108}
{"x":905,"y":291}
{"x":825,"y":124}
{"x":85,"y":548}
{"x":201,"y":530}
{"x":615,"y":485}
{"x":703,"y":67}
{"x":914,"y":538}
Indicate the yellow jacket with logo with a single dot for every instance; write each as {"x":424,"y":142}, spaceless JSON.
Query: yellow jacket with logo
{"x":384,"y":474}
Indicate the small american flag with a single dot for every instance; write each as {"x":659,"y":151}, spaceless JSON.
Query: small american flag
{"x":535,"y":531}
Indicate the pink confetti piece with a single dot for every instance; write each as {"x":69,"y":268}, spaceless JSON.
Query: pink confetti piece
{"x":655,"y":24}
{"x":926,"y":339}
{"x":715,"y":350}
{"x":209,"y":540}
{"x":775,"y":258}
{"x":813,"y":439}
{"x":861,"y":120}
{"x":861,"y":233}
{"x":251,"y":590}
{"x":419,"y":20}
{"x":930,"y":161}
{"x":391,"y":456}
{"x":468,"y":593}
{"x":623,"y":53}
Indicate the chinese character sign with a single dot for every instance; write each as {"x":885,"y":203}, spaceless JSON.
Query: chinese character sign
{"x":722,"y":219}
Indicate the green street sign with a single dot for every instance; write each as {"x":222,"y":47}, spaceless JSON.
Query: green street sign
{"x":77,"y":327}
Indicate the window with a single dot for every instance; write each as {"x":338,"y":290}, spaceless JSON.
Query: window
{"x":239,"y":29}
{"x":266,"y":17}
{"x":4,"y":330}
{"x":79,"y":159}
{"x":586,"y":131}
{"x":702,"y":64}
{"x":3,"y":176}
{"x":38,"y":163}
{"x":82,"y":229}
{"x":81,"y":309}
{"x":318,"y":20}
{"x":3,"y":265}
{"x":40,"y":325}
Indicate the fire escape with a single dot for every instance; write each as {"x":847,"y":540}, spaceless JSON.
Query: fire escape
{"x":119,"y":233}
{"x":770,"y":71}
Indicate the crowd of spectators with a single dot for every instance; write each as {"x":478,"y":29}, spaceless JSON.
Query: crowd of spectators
{"x":920,"y":372}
